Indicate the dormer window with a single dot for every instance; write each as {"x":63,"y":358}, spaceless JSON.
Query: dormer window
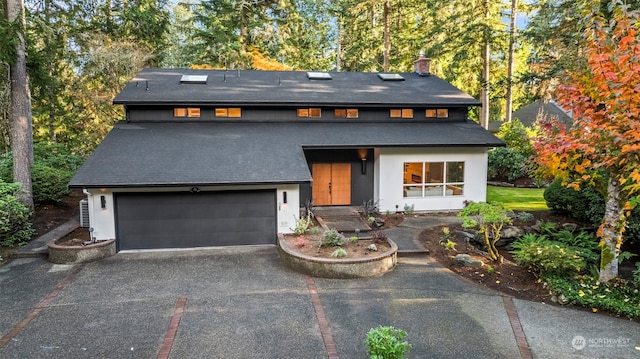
{"x":186,"y":112}
{"x":437,"y":113}
{"x":401,"y":113}
{"x":346,"y":113}
{"x":228,"y":112}
{"x":312,"y":112}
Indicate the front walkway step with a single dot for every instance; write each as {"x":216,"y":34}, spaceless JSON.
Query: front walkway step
{"x":413,"y":252}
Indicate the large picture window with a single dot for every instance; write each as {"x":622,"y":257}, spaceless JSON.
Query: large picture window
{"x":433,"y":179}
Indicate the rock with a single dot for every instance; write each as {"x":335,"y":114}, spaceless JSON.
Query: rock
{"x":536,"y":227}
{"x":372,"y":247}
{"x":571,"y":227}
{"x":466,"y":260}
{"x":505,"y":242}
{"x":511,"y":232}
{"x":562,"y":299}
{"x":378,"y":222}
{"x":465,"y":235}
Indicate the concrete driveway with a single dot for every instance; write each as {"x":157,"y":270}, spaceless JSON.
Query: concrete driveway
{"x":242,"y":303}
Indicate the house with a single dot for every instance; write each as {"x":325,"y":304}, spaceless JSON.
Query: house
{"x":528,"y":114}
{"x":217,"y":158}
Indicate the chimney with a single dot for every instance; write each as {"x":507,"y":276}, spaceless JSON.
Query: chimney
{"x":422,"y":64}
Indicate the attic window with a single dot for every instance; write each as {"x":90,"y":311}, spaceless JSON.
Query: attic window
{"x":391,"y":77}
{"x":401,"y":113}
{"x":439,"y":113}
{"x":318,"y":75}
{"x":346,"y":113}
{"x":228,"y":112}
{"x":309,"y":112}
{"x":193,"y":79}
{"x":186,"y":112}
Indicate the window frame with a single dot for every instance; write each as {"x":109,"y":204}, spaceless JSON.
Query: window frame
{"x":309,"y":112}
{"x":186,"y":112}
{"x":228,"y":112}
{"x":436,"y":113}
{"x":424,"y":184}
{"x":346,"y":113}
{"x":401,"y":113}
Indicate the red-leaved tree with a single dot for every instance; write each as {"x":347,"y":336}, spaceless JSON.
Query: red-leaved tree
{"x":602,"y":147}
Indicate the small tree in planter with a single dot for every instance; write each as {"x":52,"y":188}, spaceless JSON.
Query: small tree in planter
{"x":488,"y":219}
{"x":387,"y":342}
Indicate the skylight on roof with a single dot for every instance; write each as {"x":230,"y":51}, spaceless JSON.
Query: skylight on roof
{"x":193,"y":79}
{"x":390,"y":77}
{"x":318,"y":75}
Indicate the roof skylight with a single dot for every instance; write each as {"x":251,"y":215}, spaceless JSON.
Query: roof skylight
{"x":318,"y":75}
{"x":193,"y":79}
{"x":391,"y":77}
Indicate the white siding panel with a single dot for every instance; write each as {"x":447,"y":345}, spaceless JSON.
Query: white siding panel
{"x":390,"y":165}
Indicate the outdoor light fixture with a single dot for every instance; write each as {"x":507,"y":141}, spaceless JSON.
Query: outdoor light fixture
{"x":103,"y":202}
{"x":284,"y":197}
{"x":362,"y":153}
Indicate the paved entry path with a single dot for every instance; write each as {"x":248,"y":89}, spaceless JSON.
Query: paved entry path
{"x":242,"y":303}
{"x":405,"y":234}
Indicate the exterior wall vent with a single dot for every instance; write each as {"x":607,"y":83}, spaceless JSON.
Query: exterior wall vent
{"x":84,"y":213}
{"x":193,"y":79}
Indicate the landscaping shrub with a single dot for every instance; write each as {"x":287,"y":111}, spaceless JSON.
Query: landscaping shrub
{"x":387,"y":342}
{"x":15,"y":217}
{"x":506,"y":164}
{"x":511,"y":162}
{"x":331,"y":238}
{"x":547,"y":256}
{"x":557,"y":250}
{"x":52,"y":169}
{"x":587,"y":205}
{"x":618,"y":296}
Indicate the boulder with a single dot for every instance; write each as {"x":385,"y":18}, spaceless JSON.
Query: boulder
{"x":571,"y":227}
{"x":511,"y":232}
{"x":466,"y":260}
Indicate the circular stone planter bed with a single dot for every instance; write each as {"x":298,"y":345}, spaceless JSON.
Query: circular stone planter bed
{"x":63,"y":251}
{"x":375,"y":263}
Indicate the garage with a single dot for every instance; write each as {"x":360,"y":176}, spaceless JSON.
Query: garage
{"x":195,"y":219}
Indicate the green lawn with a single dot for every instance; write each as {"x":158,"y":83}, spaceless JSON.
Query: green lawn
{"x":518,"y":199}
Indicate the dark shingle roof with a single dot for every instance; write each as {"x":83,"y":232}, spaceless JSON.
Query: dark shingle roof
{"x":529,"y":113}
{"x":278,"y":88}
{"x":174,"y":154}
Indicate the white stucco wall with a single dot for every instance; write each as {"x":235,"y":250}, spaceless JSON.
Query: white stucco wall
{"x":102,"y":220}
{"x":388,"y":185}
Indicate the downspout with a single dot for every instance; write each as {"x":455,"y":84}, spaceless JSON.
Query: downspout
{"x":91,"y":217}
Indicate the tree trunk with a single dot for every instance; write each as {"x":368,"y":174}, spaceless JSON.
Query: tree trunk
{"x":512,"y":40}
{"x":486,"y":57}
{"x":611,"y":233}
{"x":21,"y":131}
{"x":386,"y":35}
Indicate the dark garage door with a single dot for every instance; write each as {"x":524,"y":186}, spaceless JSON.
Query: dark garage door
{"x":186,"y":220}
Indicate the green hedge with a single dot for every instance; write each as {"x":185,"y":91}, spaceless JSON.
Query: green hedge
{"x":52,"y":170}
{"x":15,"y":217}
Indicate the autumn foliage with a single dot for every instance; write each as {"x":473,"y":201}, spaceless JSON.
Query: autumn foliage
{"x":602,"y":148}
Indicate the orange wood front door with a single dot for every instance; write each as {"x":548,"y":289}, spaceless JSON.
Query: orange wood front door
{"x":331,"y":184}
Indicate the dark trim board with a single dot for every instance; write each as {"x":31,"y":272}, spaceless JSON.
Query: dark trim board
{"x":155,"y":220}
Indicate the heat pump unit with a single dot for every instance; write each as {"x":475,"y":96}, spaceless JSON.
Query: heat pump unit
{"x":84,"y":213}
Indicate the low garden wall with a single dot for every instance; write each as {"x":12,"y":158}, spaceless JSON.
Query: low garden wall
{"x":377,"y":264}
{"x":79,"y":254}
